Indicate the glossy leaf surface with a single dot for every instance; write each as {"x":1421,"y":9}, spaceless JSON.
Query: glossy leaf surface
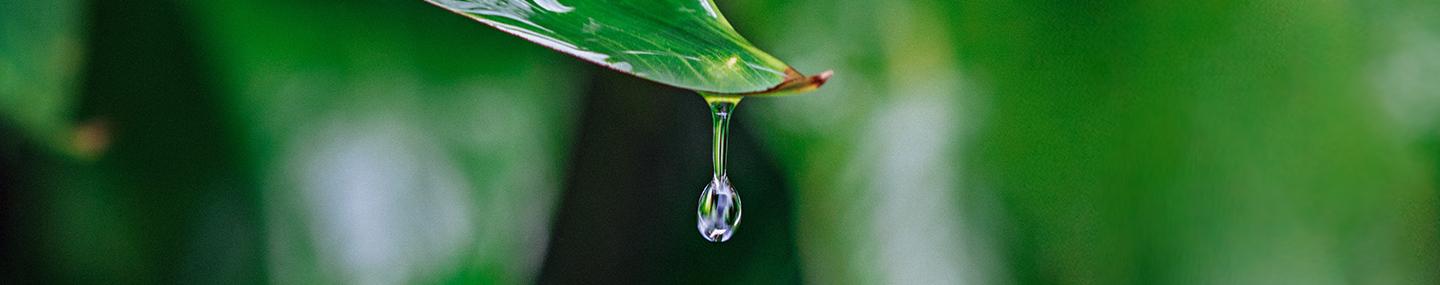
{"x":682,"y":43}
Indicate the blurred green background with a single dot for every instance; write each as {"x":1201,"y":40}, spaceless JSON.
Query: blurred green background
{"x":960,"y":142}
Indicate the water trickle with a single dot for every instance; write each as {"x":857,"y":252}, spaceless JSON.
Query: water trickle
{"x":719,"y":210}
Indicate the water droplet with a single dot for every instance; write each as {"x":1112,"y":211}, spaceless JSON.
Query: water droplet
{"x":719,"y":211}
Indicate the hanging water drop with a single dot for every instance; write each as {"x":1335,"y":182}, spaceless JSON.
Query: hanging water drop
{"x":719,"y":211}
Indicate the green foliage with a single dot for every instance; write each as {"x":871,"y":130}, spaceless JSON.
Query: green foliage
{"x":40,"y":56}
{"x":1149,"y":142}
{"x":682,"y":43}
{"x":979,"y":142}
{"x":399,"y":146}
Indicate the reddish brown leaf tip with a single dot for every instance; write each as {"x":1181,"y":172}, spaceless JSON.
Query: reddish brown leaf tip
{"x":819,"y":79}
{"x":795,"y":83}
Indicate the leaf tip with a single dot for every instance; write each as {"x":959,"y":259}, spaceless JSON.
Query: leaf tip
{"x":819,"y":79}
{"x":795,"y":83}
{"x":799,"y":83}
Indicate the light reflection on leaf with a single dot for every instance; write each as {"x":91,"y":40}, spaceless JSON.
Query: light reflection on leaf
{"x":682,"y":43}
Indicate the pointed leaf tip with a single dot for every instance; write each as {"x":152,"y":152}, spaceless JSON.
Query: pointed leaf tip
{"x":795,"y":83}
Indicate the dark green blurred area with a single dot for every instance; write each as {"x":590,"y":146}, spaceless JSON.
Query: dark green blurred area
{"x":961,"y":142}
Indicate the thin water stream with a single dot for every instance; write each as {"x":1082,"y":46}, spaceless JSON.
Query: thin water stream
{"x":719,"y":210}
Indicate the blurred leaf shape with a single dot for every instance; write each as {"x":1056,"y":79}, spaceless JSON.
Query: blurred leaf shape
{"x":40,"y":56}
{"x":682,"y":43}
{"x":383,"y":157}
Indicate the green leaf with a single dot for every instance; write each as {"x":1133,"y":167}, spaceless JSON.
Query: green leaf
{"x":682,"y":43}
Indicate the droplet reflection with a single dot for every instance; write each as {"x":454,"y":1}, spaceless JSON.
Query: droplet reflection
{"x":719,"y":211}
